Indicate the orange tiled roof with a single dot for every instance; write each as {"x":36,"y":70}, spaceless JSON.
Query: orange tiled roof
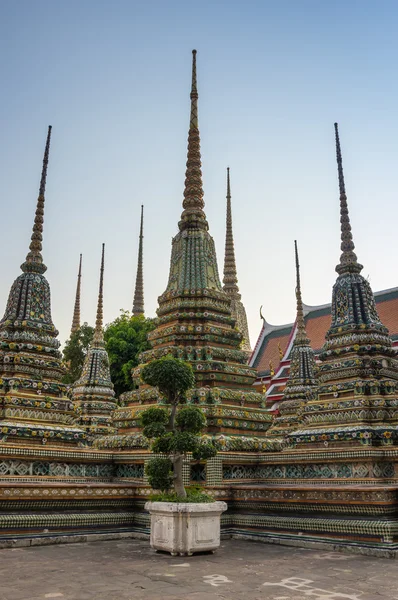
{"x":271,"y":351}
{"x":318,"y":319}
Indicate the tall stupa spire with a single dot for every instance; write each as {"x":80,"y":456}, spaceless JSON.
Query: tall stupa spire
{"x":230,"y":280}
{"x":34,"y":260}
{"x":76,"y":311}
{"x":138,"y":304}
{"x":301,"y":335}
{"x":230,"y":276}
{"x":98,"y":338}
{"x":348,"y":259}
{"x":193,"y":216}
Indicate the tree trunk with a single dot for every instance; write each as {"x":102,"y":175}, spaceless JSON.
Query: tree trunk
{"x":178,"y":480}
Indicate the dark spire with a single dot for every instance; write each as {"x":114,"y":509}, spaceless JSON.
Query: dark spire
{"x":76,"y":312}
{"x":193,"y":216}
{"x":34,"y":260}
{"x":138,"y":304}
{"x":98,"y":338}
{"x":230,"y":276}
{"x":301,"y":335}
{"x":348,"y":259}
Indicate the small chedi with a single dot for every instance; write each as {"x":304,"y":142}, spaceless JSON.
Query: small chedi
{"x":357,"y":399}
{"x":34,"y":405}
{"x":195,"y":323}
{"x":92,"y":393}
{"x":302,"y":383}
{"x":230,"y":279}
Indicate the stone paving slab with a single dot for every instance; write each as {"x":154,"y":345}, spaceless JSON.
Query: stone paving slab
{"x":240,"y":570}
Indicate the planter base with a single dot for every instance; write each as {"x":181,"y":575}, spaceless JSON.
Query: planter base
{"x":183,"y":528}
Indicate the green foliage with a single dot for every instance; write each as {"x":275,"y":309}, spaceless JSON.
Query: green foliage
{"x":175,"y":432}
{"x":190,"y":419}
{"x":126,"y":338}
{"x":75,"y":352}
{"x":154,"y":415}
{"x":194,"y":494}
{"x":204,"y":451}
{"x":154,"y":430}
{"x":172,"y":376}
{"x":160,"y":473}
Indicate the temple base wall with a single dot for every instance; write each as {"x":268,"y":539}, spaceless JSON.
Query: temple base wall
{"x":346,"y":500}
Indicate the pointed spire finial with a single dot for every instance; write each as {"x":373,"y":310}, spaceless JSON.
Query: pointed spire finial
{"x":34,"y":260}
{"x":348,"y":259}
{"x":138,"y":304}
{"x":76,"y":311}
{"x":301,"y":332}
{"x":194,"y":94}
{"x":193,"y":216}
{"x":98,"y":333}
{"x":230,"y":275}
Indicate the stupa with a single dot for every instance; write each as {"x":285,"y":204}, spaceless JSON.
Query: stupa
{"x":34,"y":405}
{"x":302,"y":384}
{"x":92,"y":393}
{"x":230,"y":279}
{"x":357,"y":402}
{"x":195,"y":323}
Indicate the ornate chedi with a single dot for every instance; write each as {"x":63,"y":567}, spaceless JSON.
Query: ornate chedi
{"x":302,"y":383}
{"x":93,"y":393}
{"x":76,"y":310}
{"x":33,"y":401}
{"x":358,"y":377}
{"x":195,"y":323}
{"x":230,"y":280}
{"x":138,"y":303}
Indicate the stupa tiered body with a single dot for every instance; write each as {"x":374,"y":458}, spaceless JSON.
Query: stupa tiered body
{"x":357,"y":402}
{"x":34,"y":405}
{"x":93,"y":393}
{"x":302,"y":383}
{"x":230,"y":279}
{"x":195,"y":323}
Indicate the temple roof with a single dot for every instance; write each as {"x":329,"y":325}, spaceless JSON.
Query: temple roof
{"x":317,"y":322}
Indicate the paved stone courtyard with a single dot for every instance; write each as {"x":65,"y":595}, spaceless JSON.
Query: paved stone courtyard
{"x":129,"y":570}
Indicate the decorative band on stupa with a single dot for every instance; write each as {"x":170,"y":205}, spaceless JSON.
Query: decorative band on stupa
{"x":33,"y":401}
{"x":358,"y":378}
{"x":195,"y":323}
{"x":93,"y":393}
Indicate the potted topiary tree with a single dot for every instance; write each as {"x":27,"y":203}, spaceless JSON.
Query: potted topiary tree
{"x":181,"y":523}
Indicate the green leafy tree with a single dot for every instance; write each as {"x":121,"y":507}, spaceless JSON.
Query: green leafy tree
{"x":75,"y":352}
{"x":175,"y":431}
{"x":126,"y":338}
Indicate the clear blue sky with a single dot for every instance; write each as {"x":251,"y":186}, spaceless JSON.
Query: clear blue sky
{"x":113,"y":79}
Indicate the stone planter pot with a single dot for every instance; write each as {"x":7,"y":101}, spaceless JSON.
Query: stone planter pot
{"x":183,"y":528}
